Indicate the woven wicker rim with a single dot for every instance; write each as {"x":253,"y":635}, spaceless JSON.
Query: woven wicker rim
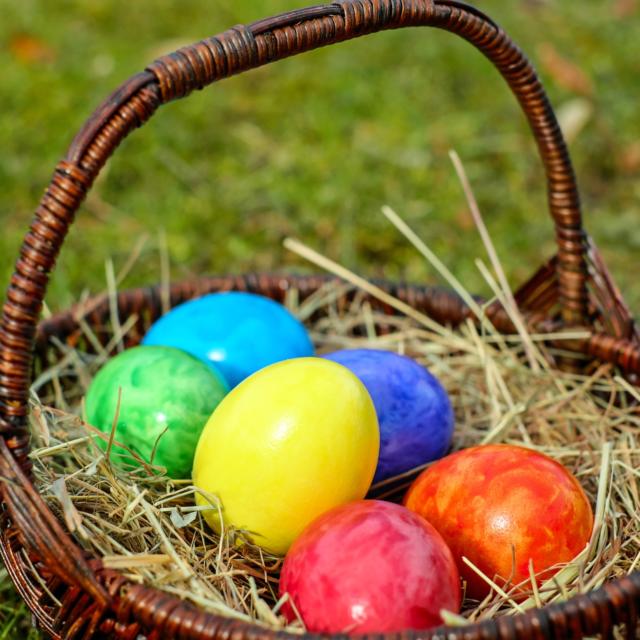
{"x":72,"y":596}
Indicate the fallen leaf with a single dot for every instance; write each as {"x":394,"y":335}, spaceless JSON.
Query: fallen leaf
{"x":573,"y":117}
{"x":629,"y":160}
{"x":40,"y":427}
{"x":30,"y":49}
{"x":625,"y":8}
{"x":72,"y":517}
{"x":179,"y":521}
{"x":564,"y":72}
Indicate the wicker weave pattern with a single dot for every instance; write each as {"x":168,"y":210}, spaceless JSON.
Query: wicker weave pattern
{"x":73,"y":596}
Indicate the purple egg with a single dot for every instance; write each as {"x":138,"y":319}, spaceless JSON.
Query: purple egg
{"x":414,"y":411}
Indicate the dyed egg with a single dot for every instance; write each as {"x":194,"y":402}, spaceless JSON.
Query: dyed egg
{"x":491,"y":502}
{"x":369,"y":567}
{"x":414,"y":411}
{"x":167,"y":397}
{"x":238,"y":333}
{"x":289,"y":443}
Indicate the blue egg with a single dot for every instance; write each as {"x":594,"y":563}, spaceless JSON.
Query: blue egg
{"x":414,"y":411}
{"x":234,"y":332}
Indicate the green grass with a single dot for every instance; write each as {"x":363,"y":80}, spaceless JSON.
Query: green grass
{"x":313,"y":146}
{"x":15,"y":620}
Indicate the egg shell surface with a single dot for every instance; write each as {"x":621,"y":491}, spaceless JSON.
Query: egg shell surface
{"x":369,"y":567}
{"x":292,"y":441}
{"x":166,"y":399}
{"x":414,"y":411}
{"x":237,"y":332}
{"x":487,"y":500}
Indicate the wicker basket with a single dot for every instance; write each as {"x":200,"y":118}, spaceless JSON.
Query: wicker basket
{"x":72,"y":595}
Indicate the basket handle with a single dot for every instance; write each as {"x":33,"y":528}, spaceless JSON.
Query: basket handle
{"x":236,"y":50}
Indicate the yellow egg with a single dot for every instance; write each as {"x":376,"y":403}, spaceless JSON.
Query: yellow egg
{"x":289,"y":443}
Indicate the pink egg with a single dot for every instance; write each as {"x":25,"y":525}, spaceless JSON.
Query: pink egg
{"x":369,"y":566}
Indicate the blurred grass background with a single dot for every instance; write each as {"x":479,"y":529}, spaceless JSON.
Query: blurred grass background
{"x":314,"y":146}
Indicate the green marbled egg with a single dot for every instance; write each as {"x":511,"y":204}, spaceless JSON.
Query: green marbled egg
{"x":167,"y":398}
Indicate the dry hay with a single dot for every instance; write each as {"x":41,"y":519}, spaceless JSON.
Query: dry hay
{"x":503,"y":390}
{"x":147,"y":525}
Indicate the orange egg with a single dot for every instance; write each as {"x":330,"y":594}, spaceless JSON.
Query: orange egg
{"x":498,"y":503}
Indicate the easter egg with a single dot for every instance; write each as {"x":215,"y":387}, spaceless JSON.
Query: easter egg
{"x":287,"y":444}
{"x":369,"y":566}
{"x":238,"y":333}
{"x":414,"y":411}
{"x":498,"y":503}
{"x":166,"y":399}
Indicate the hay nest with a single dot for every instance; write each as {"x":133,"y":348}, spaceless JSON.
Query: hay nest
{"x":503,"y":390}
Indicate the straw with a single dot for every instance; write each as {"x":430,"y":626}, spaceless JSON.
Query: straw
{"x":503,"y":389}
